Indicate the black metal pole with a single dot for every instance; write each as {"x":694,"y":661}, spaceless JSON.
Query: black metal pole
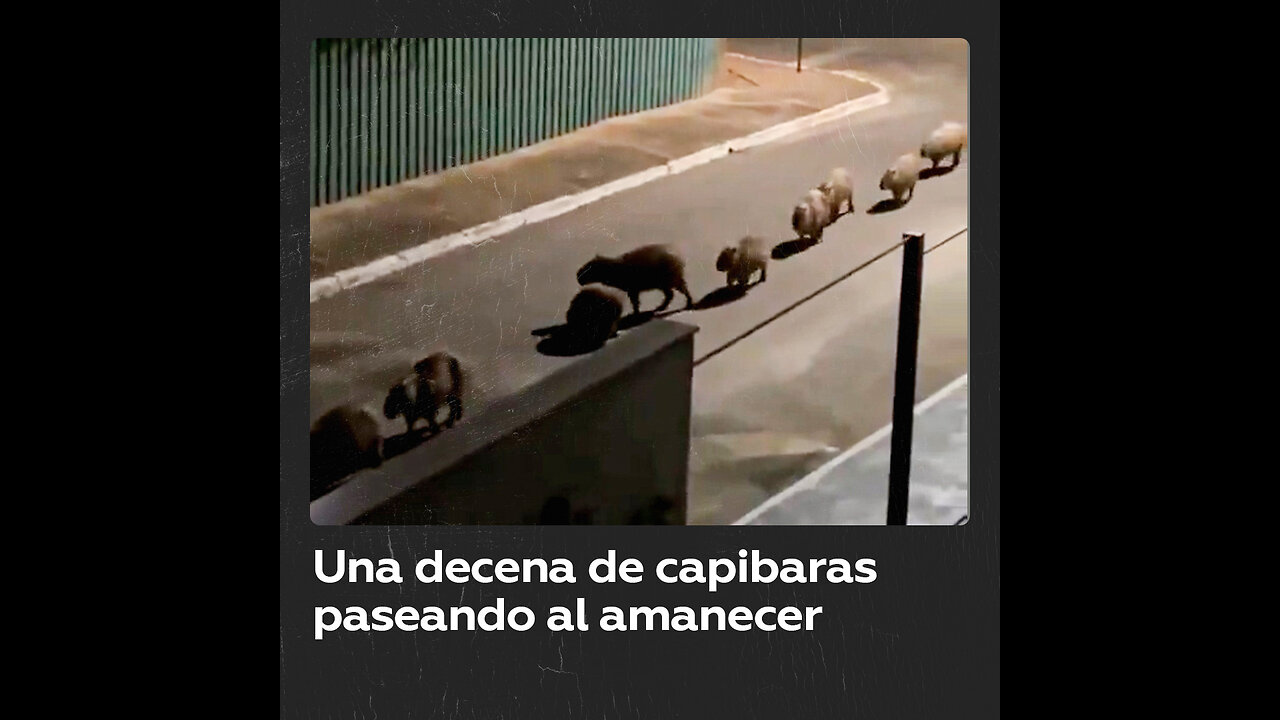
{"x":799,"y":46}
{"x":904,"y":378}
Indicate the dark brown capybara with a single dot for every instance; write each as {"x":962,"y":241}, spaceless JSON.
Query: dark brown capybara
{"x":593,"y":316}
{"x":343,"y":440}
{"x":652,"y":267}
{"x":437,"y":381}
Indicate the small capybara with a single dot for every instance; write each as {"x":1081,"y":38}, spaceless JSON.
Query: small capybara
{"x":652,"y":267}
{"x":343,"y":440}
{"x":437,"y":381}
{"x":593,"y":315}
{"x":949,"y":139}
{"x":839,"y":192}
{"x":811,"y":216}
{"x":741,"y":262}
{"x":900,"y":179}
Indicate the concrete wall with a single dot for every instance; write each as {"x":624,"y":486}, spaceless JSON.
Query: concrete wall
{"x":604,"y":440}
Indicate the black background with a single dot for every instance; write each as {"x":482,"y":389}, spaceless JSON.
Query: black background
{"x":923,"y":641}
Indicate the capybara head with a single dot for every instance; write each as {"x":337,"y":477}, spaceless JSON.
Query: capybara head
{"x":397,"y":402}
{"x":725,"y":261}
{"x":591,"y":272}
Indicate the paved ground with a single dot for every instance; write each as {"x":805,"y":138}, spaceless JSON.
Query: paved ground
{"x":852,"y":490}
{"x":781,"y":402}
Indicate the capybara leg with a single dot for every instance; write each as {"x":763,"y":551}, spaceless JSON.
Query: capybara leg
{"x":764,"y":274}
{"x":911,"y":192}
{"x":935,"y":161}
{"x":667,"y":294}
{"x":635,"y":302}
{"x":408,"y":421}
{"x":688,"y":299}
{"x":955,"y":159}
{"x":455,"y":408}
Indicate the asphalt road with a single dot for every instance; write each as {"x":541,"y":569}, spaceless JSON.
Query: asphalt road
{"x":786,"y":398}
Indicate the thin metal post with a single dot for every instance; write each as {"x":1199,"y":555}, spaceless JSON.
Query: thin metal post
{"x":904,"y":380}
{"x":799,"y":47}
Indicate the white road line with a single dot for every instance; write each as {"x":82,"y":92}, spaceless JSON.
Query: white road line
{"x":808,"y":482}
{"x":354,"y":277}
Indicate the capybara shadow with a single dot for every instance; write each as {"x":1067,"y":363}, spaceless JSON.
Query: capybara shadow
{"x":722,"y":296}
{"x":594,"y":316}
{"x":404,"y":442}
{"x":786,"y":249}
{"x":927,"y":173}
{"x":640,"y":318}
{"x":886,"y":205}
{"x":564,"y":341}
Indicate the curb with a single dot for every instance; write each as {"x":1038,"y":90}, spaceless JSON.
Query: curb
{"x":363,"y":274}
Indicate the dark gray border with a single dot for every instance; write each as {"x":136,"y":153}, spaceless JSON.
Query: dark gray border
{"x":920,"y":642}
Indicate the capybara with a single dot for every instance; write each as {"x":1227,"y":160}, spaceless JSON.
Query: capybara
{"x":741,"y":262}
{"x":839,"y":191}
{"x":593,"y":315}
{"x":343,"y":440}
{"x":811,"y":216}
{"x":900,"y":179}
{"x":437,"y":380}
{"x":652,"y":267}
{"x":949,"y":139}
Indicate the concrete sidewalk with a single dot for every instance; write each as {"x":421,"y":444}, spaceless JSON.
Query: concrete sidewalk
{"x":749,"y":96}
{"x":853,"y":488}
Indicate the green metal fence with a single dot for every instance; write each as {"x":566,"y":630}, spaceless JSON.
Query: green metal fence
{"x":383,"y":111}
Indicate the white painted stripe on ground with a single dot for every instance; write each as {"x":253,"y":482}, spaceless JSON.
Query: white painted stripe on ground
{"x":808,"y":482}
{"x":354,"y":277}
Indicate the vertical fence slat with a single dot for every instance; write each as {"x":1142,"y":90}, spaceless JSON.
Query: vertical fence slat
{"x":411,"y":92}
{"x":344,"y":103}
{"x":335,"y":132}
{"x":380,"y":157}
{"x":468,"y":100}
{"x":398,"y":153}
{"x":483,"y":97}
{"x":339,"y":119}
{"x":455,"y":89}
{"x":553,"y":88}
{"x":509,"y":61}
